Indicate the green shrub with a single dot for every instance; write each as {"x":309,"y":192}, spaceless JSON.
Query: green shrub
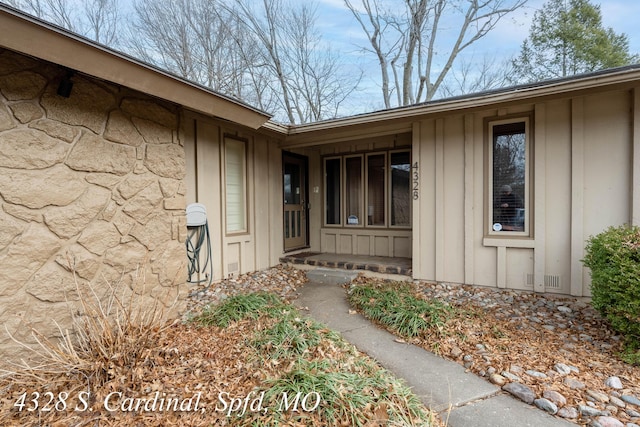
{"x":614,"y":259}
{"x":239,"y":307}
{"x":395,"y":305}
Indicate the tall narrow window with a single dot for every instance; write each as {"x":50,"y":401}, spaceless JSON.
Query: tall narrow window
{"x":509,"y":176}
{"x":375,"y":189}
{"x":353,"y":190}
{"x":400,"y":189}
{"x":235,"y":184}
{"x":332,"y":168}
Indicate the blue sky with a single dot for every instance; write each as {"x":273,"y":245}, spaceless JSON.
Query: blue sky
{"x":343,"y":33}
{"x":335,"y":21}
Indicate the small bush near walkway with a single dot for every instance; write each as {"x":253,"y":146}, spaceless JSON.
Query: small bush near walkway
{"x":614,"y":259}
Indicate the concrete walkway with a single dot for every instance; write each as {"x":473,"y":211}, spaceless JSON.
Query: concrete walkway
{"x":462,"y":399}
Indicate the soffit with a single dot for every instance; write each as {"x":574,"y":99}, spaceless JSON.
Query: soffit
{"x":36,"y":38}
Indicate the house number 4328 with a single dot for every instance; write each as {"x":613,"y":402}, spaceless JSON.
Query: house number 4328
{"x":415,"y":176}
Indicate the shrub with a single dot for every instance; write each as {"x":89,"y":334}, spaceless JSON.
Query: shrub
{"x":396,"y":306}
{"x":614,"y":259}
{"x":239,"y":307}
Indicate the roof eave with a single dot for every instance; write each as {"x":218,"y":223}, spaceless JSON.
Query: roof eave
{"x":475,"y":101}
{"x":25,"y":34}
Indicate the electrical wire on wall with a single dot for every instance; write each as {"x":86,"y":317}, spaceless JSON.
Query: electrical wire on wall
{"x":198,"y":245}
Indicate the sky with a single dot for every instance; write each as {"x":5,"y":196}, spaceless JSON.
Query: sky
{"x":341,"y":30}
{"x":335,"y":21}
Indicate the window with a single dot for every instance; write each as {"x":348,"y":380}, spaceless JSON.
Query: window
{"x":353,"y":190}
{"x":400,"y":190}
{"x":376,"y":178}
{"x":332,"y":168}
{"x":509,"y":177}
{"x":368,"y":190}
{"x":235,"y":184}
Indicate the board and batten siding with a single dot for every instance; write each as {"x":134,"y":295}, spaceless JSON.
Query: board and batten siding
{"x":582,"y":182}
{"x":260,"y":246}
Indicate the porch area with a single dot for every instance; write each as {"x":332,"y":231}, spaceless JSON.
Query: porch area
{"x":377,"y":264}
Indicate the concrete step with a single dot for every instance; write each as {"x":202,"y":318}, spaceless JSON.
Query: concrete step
{"x":331,"y":276}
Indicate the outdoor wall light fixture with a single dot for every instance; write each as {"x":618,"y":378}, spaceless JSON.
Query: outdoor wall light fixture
{"x":65,"y":86}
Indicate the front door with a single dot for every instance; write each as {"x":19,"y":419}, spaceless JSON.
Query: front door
{"x":295,"y":201}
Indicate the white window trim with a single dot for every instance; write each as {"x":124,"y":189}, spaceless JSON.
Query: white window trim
{"x":528,"y":179}
{"x":244,"y":226}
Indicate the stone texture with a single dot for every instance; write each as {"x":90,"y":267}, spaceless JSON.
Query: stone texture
{"x":152,"y":132}
{"x":148,"y":110}
{"x":144,"y":204}
{"x":26,"y":112}
{"x":99,"y":236}
{"x":6,"y":120}
{"x":497,"y":379}
{"x":52,"y":284}
{"x":120,"y":129}
{"x":133,"y":184}
{"x":56,"y":186}
{"x":167,"y":160}
{"x":25,"y":149}
{"x":10,"y":228}
{"x":562,"y":369}
{"x":617,"y":402}
{"x":22,"y":85}
{"x":588,"y":411}
{"x":555,"y":397}
{"x":609,"y":422}
{"x":23,"y":213}
{"x":614,"y":382}
{"x":76,"y":259}
{"x":546,"y":405}
{"x":155,"y":231}
{"x":630,"y":399}
{"x":169,"y":263}
{"x":520,"y":391}
{"x":70,"y":220}
{"x":79,"y":191}
{"x":93,"y":154}
{"x":28,"y":253}
{"x":568,"y":412}
{"x":574,"y":384}
{"x":85,"y":107}
{"x":56,"y":130}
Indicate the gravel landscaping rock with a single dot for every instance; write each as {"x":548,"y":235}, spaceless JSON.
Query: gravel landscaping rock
{"x":558,"y":399}
{"x":546,"y":405}
{"x":569,"y":413}
{"x":520,"y":391}
{"x":609,"y":422}
{"x":631,"y":399}
{"x":613,"y":382}
{"x":588,"y":411}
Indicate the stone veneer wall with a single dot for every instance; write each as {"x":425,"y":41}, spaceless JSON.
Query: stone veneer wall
{"x":92,"y":183}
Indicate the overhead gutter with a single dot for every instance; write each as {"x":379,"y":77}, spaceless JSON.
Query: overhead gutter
{"x":31,"y":36}
{"x":555,"y":88}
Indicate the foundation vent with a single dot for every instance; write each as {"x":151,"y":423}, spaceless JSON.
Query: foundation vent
{"x":528,"y":280}
{"x":551,"y":282}
{"x":232,"y":267}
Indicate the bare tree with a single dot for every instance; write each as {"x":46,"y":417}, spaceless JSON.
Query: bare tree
{"x":417,"y":45}
{"x":102,"y":21}
{"x":317,"y":84}
{"x":305,"y":74}
{"x":94,"y":19}
{"x":470,"y":76}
